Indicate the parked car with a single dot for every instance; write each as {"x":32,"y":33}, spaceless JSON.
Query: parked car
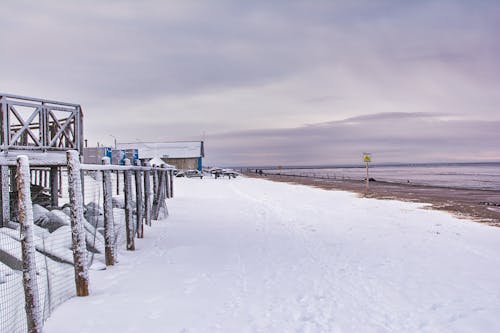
{"x":190,"y":174}
{"x":230,"y":173}
{"x":218,"y":172}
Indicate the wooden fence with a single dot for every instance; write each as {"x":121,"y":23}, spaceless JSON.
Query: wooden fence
{"x":153,"y":185}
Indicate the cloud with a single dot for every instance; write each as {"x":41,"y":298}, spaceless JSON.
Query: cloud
{"x":391,"y":137}
{"x":158,"y":70}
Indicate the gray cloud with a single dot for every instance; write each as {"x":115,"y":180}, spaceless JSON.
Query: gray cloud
{"x":164,"y":70}
{"x":392,"y":137}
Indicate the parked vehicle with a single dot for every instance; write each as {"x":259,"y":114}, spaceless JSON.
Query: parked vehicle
{"x":230,"y":173}
{"x":189,"y":174}
{"x":218,"y":172}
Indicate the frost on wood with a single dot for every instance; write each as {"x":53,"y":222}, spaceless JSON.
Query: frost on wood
{"x":159,"y":204}
{"x":139,"y":204}
{"x":147,"y":196}
{"x":108,"y":215}
{"x":5,"y":195}
{"x":129,"y":225}
{"x":77,"y":228}
{"x":33,"y":313}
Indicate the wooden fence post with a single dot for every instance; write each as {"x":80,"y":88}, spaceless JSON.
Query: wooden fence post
{"x":138,"y":201}
{"x":32,"y":305}
{"x":160,"y":210}
{"x":155,"y":181}
{"x":158,"y":198}
{"x":171,"y":183}
{"x":109,"y":233}
{"x":147,"y":195}
{"x":82,"y":182}
{"x":156,"y":193}
{"x":5,"y":179}
{"x":77,"y":231}
{"x":117,"y":182}
{"x":54,"y":187}
{"x":45,"y":178}
{"x":167,"y":184}
{"x":129,"y":226}
{"x":60,"y":181}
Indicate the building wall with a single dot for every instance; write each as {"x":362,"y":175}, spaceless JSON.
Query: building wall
{"x":183,"y":163}
{"x":94,"y":155}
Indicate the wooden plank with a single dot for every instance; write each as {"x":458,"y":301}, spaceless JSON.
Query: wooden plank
{"x":5,"y":124}
{"x":38,"y":100}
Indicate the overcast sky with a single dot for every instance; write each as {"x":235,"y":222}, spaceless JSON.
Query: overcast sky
{"x":269,"y":82}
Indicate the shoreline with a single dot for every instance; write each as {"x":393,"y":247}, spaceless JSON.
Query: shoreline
{"x":462,"y":203}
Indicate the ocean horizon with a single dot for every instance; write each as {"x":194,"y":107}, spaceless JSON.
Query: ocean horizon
{"x":467,"y":175}
{"x":359,"y":165}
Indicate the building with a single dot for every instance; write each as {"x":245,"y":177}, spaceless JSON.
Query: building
{"x":94,"y":155}
{"x":184,"y":155}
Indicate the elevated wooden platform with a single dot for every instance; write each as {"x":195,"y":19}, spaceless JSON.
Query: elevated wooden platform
{"x":39,"y":125}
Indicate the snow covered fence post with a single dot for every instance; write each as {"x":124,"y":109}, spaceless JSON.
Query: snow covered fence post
{"x":167,"y":184}
{"x":5,"y":195}
{"x":171,"y":183}
{"x":77,"y":230}
{"x":32,"y":305}
{"x":129,"y":227}
{"x":161,"y":192}
{"x":157,"y":192}
{"x":147,"y":194}
{"x":138,"y":201}
{"x":108,"y":215}
{"x":155,"y":181}
{"x":117,"y":182}
{"x":161,"y":207}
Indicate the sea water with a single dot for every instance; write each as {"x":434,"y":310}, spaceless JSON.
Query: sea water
{"x":470,"y":175}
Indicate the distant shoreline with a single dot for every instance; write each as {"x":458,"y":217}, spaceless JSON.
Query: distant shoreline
{"x":362,"y":165}
{"x":479,"y":205}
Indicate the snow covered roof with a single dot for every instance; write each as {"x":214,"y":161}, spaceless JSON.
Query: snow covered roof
{"x":176,"y":149}
{"x":156,"y":161}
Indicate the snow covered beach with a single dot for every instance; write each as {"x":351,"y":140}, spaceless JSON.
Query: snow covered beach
{"x":250,"y":255}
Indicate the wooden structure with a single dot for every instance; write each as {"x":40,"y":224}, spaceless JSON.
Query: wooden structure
{"x":43,"y":130}
{"x":151,"y":204}
{"x":39,"y":125}
{"x":48,"y":136}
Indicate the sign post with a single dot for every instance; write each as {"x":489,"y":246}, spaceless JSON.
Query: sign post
{"x":367,"y":158}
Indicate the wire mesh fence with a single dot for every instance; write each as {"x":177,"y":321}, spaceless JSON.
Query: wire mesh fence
{"x":53,"y":226}
{"x":12,"y":314}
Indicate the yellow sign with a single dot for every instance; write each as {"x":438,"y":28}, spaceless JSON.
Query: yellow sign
{"x":367,"y":158}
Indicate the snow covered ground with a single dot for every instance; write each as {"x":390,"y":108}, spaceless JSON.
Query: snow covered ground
{"x":249,"y":255}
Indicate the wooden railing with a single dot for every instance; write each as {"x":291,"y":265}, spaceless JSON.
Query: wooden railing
{"x":39,"y":124}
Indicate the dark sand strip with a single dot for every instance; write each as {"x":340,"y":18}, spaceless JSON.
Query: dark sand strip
{"x":463,"y":203}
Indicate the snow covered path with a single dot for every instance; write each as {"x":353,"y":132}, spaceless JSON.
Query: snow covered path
{"x":249,"y":255}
